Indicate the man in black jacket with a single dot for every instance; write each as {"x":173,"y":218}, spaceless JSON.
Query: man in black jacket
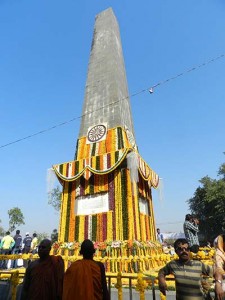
{"x":17,"y":247}
{"x":26,"y":247}
{"x":27,"y":243}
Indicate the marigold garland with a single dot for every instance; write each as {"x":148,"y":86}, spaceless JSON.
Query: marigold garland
{"x":124,"y":204}
{"x":130,"y":219}
{"x":77,"y":223}
{"x":68,"y":211}
{"x":86,"y":219}
{"x":81,"y":228}
{"x":105,"y":168}
{"x":94,"y":227}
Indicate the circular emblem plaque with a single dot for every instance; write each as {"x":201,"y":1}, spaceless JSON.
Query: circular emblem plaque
{"x":96,"y":133}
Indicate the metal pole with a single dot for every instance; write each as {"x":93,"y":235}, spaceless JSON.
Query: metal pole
{"x":109,"y":287}
{"x":130,"y":288}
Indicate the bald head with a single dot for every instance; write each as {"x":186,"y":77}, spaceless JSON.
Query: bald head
{"x":44,"y":248}
{"x":87,"y":249}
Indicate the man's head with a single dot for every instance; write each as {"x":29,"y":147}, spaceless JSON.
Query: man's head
{"x":188,"y":217}
{"x":158,"y":230}
{"x":7,"y":233}
{"x":182,"y":249}
{"x":27,"y":233}
{"x":44,"y":248}
{"x":87,"y":249}
{"x":34,"y":234}
{"x":18,"y":232}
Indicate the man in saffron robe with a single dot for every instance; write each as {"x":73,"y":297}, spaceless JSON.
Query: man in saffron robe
{"x":44,"y":276}
{"x":85,"y":279}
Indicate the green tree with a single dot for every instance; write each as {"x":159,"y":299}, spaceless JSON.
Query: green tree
{"x":2,"y":231}
{"x":221,"y":171}
{"x":16,"y":218}
{"x":54,"y":236}
{"x":41,"y":236}
{"x":208,"y":204}
{"x":54,"y":198}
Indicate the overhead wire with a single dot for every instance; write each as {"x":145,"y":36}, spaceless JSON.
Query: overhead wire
{"x":149,"y":89}
{"x":60,"y":124}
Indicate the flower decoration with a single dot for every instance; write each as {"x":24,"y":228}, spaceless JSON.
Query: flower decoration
{"x":116,"y":244}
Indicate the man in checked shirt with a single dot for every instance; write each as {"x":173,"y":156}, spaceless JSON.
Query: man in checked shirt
{"x":191,"y":232}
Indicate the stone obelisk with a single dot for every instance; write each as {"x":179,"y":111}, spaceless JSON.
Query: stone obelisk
{"x":107,"y":187}
{"x":106,"y":92}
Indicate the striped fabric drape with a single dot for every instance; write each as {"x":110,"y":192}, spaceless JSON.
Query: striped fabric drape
{"x":102,"y":168}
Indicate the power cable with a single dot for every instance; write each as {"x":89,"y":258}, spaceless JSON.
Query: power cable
{"x":150,"y":90}
{"x":60,"y":124}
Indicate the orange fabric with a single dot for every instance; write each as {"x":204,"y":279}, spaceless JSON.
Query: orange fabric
{"x":44,"y":279}
{"x":82,"y":281}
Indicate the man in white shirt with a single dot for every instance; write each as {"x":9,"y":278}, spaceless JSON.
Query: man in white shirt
{"x":159,"y":236}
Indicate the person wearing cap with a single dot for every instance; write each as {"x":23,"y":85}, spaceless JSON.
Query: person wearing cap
{"x":27,"y":243}
{"x":191,"y":232}
{"x":26,"y":248}
{"x":85,"y":279}
{"x":44,"y":277}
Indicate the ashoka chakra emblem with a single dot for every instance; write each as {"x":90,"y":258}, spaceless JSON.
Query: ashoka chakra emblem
{"x":96,"y":133}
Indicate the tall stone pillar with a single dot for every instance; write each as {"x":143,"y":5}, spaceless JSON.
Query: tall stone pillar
{"x":107,"y":187}
{"x":106,"y":93}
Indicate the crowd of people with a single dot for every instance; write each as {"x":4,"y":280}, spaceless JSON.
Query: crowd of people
{"x":85,"y":279}
{"x":17,"y":245}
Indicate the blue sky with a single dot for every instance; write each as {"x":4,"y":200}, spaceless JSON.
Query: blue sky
{"x":179,"y":129}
